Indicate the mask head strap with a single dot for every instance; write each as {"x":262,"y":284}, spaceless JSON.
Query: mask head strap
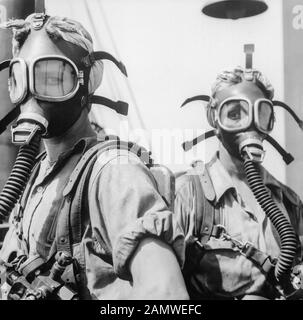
{"x":196,"y":98}
{"x":249,"y":50}
{"x":4,"y":64}
{"x":11,"y":116}
{"x":288,"y":108}
{"x":89,"y":60}
{"x":287,"y":157}
{"x":40,"y":6}
{"x":120,"y":107}
{"x":188,"y":145}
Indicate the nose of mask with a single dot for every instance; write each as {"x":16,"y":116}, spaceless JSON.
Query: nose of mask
{"x":29,"y":123}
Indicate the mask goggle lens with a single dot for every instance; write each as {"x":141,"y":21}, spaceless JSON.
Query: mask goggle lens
{"x":234,"y":115}
{"x":264,"y":115}
{"x":50,"y":78}
{"x":54,"y":79}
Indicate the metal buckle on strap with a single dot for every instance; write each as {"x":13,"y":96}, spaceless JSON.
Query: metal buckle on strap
{"x":247,"y":249}
{"x":30,"y":265}
{"x":89,"y":60}
{"x":218,"y":231}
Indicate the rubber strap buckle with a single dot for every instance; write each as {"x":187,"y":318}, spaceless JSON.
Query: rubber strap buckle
{"x":89,"y":60}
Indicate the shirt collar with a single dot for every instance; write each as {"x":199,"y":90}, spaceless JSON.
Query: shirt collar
{"x":222,"y":181}
{"x":81,"y":146}
{"x":220,"y":178}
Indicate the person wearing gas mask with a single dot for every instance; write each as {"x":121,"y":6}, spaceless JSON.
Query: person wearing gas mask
{"x":119,"y":242}
{"x":242,"y":227}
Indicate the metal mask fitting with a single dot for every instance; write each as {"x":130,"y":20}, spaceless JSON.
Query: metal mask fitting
{"x":28,"y":124}
{"x":251,"y":147}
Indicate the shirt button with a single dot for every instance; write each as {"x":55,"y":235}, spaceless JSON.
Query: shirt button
{"x":39,"y":189}
{"x":63,"y":240}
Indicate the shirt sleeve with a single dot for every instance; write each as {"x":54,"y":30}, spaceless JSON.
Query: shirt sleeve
{"x":129,"y":209}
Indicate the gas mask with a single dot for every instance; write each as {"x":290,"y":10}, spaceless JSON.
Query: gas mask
{"x":46,"y":89}
{"x":243,"y":119}
{"x":51,"y":90}
{"x":50,"y":84}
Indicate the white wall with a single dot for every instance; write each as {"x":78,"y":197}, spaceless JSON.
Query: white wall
{"x":172,"y":52}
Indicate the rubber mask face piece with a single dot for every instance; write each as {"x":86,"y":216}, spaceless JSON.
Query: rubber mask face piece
{"x":243,"y":117}
{"x":47,"y":85}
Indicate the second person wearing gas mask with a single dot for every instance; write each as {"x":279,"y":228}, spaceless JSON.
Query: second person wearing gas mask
{"x":242,"y":226}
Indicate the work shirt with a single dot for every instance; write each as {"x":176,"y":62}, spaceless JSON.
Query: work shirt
{"x":222,"y":272}
{"x":124,"y":208}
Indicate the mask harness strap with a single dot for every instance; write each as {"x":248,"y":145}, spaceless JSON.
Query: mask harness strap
{"x":89,"y":60}
{"x":10,"y":117}
{"x":288,"y":108}
{"x":188,"y":145}
{"x":196,"y":98}
{"x":120,"y":107}
{"x":4,"y":64}
{"x":287,"y":157}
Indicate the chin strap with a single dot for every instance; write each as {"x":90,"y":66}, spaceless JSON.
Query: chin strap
{"x":120,"y":107}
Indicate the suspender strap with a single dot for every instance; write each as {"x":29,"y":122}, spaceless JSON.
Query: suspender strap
{"x":205,"y":210}
{"x":259,"y":258}
{"x":28,"y":187}
{"x":69,"y":226}
{"x":103,"y":146}
{"x":78,"y":204}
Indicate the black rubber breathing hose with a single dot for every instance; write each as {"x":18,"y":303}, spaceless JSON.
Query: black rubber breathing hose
{"x":284,"y":228}
{"x":19,"y":176}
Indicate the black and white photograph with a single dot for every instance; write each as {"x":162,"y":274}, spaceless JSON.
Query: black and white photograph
{"x":151,"y":150}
